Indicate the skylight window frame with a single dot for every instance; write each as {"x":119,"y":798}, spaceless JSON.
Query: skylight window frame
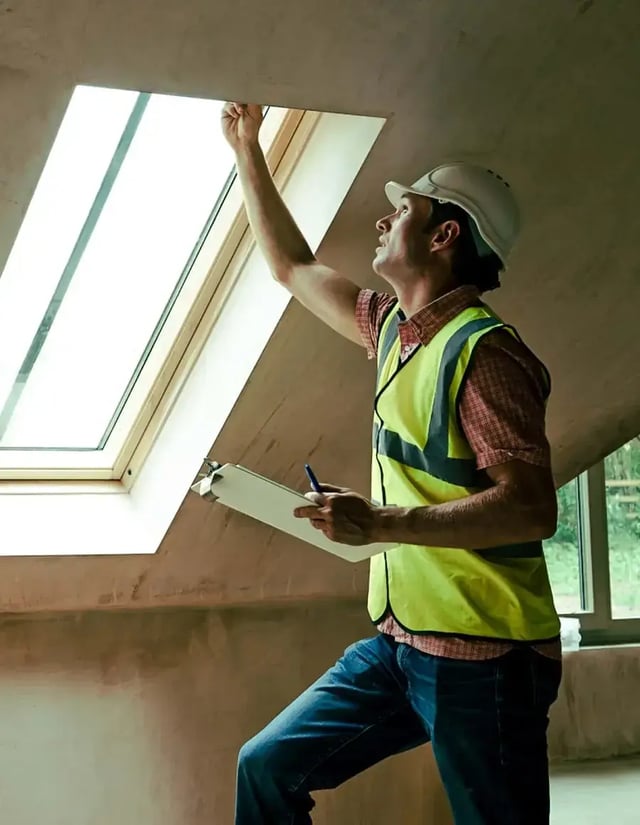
{"x":213,"y":270}
{"x":86,"y":520}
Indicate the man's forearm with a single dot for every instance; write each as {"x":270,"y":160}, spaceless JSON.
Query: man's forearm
{"x":491,"y":518}
{"x":276,"y":232}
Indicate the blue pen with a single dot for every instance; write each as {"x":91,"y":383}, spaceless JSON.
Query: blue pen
{"x":315,"y":486}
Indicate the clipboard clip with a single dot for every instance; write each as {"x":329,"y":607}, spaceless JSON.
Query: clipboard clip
{"x":213,"y":466}
{"x":206,"y":480}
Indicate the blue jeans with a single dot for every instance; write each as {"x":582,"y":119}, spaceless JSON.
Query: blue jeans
{"x":487,"y":722}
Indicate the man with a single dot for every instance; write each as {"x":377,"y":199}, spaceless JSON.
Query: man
{"x":467,"y":655}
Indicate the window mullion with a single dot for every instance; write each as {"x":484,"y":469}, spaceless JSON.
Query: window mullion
{"x":594,"y":545}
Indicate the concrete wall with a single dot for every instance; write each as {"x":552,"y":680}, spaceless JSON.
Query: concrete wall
{"x":597,"y":715}
{"x":137,"y":718}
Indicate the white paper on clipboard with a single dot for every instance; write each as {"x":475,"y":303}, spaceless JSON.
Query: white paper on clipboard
{"x":273,"y":504}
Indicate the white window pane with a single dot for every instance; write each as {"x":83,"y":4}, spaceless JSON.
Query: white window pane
{"x":76,"y":165}
{"x":170,"y":179}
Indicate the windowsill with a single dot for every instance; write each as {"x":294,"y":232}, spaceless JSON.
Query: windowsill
{"x":590,"y":647}
{"x":107,"y":518}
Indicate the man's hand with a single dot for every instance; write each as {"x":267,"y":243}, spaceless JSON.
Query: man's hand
{"x":241,"y":124}
{"x":341,"y":514}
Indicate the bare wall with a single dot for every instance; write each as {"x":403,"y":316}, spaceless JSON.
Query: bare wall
{"x":136,"y":718}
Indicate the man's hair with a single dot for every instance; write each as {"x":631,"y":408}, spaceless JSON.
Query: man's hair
{"x":467,"y":265}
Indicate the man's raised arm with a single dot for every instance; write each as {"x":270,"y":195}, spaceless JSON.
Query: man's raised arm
{"x":319,"y":288}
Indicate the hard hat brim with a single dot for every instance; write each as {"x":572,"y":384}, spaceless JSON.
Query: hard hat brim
{"x":395,"y":191}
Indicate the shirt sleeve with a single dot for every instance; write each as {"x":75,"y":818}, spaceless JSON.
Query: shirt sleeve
{"x":503,"y":402}
{"x":371,"y":309}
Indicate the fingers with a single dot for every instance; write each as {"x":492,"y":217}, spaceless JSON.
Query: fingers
{"x":331,"y":488}
{"x":235,"y":109}
{"x":316,"y":498}
{"x":324,"y":506}
{"x":310,"y":513}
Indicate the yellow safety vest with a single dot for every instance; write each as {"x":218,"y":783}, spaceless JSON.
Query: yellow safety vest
{"x":421,"y":457}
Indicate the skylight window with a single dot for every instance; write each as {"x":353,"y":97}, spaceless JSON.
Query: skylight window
{"x":121,"y":499}
{"x":130,"y":191}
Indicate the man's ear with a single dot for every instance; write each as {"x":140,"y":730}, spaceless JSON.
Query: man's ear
{"x":445,"y":236}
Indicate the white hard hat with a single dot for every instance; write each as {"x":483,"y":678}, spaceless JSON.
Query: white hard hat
{"x":482,"y":193}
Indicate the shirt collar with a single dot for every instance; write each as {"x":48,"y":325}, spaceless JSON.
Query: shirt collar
{"x":429,"y":320}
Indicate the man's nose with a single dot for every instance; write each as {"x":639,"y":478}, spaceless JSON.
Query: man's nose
{"x":383,"y":224}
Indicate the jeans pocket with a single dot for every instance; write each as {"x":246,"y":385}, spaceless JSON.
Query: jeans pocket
{"x":358,"y":657}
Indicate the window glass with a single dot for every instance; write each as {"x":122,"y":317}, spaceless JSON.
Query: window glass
{"x":562,"y":552}
{"x":622,"y":485}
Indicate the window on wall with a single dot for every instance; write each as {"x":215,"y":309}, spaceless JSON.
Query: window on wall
{"x":563,"y":552}
{"x":622,"y":486}
{"x":594,"y":557}
{"x":128,"y":234}
{"x":129,"y":185}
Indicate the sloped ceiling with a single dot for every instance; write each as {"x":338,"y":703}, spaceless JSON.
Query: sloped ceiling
{"x":544,"y":90}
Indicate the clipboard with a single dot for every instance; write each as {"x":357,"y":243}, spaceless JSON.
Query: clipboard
{"x":271,"y":503}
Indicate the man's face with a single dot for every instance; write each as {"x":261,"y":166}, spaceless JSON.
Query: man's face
{"x":404,"y":241}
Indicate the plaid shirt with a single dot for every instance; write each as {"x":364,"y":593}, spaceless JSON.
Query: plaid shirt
{"x":502,"y":414}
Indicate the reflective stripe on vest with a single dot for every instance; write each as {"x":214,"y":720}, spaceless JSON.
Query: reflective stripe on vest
{"x":421,"y":457}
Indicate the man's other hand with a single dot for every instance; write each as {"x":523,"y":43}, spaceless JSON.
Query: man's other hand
{"x":341,"y":514}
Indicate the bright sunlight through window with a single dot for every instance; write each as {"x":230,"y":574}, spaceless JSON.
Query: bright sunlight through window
{"x":127,"y":191}
{"x":125,"y":204}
